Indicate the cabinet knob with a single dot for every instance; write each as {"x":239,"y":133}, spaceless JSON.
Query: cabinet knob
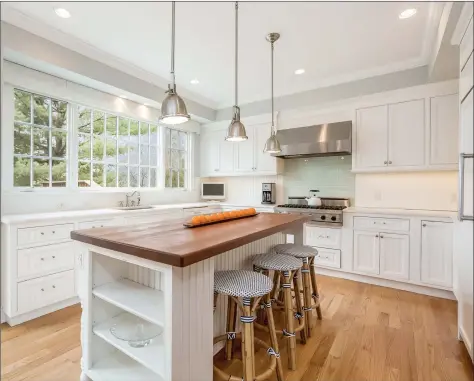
{"x":385,"y":162}
{"x":42,"y":289}
{"x":381,"y":236}
{"x":424,"y":225}
{"x":54,"y":256}
{"x":54,"y":232}
{"x":42,"y":233}
{"x":42,"y":259}
{"x":376,"y":236}
{"x":54,"y":286}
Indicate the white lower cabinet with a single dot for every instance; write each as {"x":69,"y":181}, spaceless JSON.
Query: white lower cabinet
{"x":437,"y":253}
{"x":366,"y":252}
{"x":394,"y":255}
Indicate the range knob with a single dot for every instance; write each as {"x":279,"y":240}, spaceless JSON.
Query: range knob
{"x":323,"y":217}
{"x":333,"y":218}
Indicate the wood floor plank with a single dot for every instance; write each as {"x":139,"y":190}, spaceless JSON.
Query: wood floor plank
{"x":368,"y":333}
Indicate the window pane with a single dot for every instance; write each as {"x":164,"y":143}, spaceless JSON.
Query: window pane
{"x":98,"y":122}
{"x":41,"y":110}
{"x":133,"y":176}
{"x":122,"y":152}
{"x":40,"y":142}
{"x":97,"y":175}
{"x":122,"y":176}
{"x":167,"y":137}
{"x":182,"y":174}
{"x":153,"y":177}
{"x":174,"y":159}
{"x":58,"y":173}
{"x":182,"y":160}
{"x":153,"y":134}
{"x":111,"y":151}
{"x":183,"y":140}
{"x":111,"y":176}
{"x":84,"y":120}
{"x":174,"y":179}
{"x":133,"y":154}
{"x":153,"y":156}
{"x":144,"y":138}
{"x":144,"y":176}
{"x":40,"y":173}
{"x":22,"y":107}
{"x":84,"y":146}
{"x":144,"y":154}
{"x":167,"y":178}
{"x":21,"y":172}
{"x":134,"y":131}
{"x":98,"y":148}
{"x":174,"y":139}
{"x":84,"y":172}
{"x":22,"y":140}
{"x":111,"y":125}
{"x":58,"y":114}
{"x":123,"y":129}
{"x":58,"y":143}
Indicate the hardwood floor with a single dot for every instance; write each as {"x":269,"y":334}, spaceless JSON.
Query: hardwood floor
{"x":367,"y":333}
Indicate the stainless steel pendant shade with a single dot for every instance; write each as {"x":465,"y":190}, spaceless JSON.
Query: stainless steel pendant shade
{"x":173,"y":108}
{"x":236,"y":131}
{"x":272,"y":145}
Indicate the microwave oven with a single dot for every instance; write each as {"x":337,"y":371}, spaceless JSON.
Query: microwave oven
{"x":213,"y":191}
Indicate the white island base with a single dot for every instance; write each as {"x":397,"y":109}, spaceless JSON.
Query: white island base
{"x":118,"y":286}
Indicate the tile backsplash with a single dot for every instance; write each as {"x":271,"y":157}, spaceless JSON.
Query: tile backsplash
{"x":332,"y":176}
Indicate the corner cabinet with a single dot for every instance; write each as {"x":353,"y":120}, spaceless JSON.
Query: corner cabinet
{"x":415,"y":135}
{"x":221,"y":158}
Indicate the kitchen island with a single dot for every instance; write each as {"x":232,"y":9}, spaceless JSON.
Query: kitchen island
{"x":163,"y":273}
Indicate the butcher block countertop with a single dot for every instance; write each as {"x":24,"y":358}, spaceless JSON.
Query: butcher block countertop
{"x":173,"y":244}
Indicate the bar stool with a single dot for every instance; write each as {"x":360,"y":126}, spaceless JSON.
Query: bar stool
{"x":245,"y":289}
{"x":307,"y":254}
{"x":285,"y":271}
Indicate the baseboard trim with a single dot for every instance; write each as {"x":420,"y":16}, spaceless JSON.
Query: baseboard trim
{"x":18,"y":319}
{"x":466,"y":341}
{"x":388,"y":283}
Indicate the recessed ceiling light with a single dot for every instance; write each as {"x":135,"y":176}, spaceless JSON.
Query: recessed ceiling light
{"x":407,"y":13}
{"x":195,"y":81}
{"x":299,"y":71}
{"x":63,"y":13}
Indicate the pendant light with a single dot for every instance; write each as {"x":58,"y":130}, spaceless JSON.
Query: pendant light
{"x":173,"y":108}
{"x":236,"y":131}
{"x":272,"y":145}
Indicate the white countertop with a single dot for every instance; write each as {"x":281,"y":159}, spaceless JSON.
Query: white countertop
{"x":403,"y":212}
{"x":114,"y":212}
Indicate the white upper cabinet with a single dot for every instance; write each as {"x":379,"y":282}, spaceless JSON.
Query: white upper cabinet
{"x":244,"y":161}
{"x":437,"y":253}
{"x":217,"y":154}
{"x":444,"y":129}
{"x":394,"y":255}
{"x":372,"y":133}
{"x":406,"y":134}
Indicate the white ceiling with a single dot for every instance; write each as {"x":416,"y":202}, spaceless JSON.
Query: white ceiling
{"x":334,"y":42}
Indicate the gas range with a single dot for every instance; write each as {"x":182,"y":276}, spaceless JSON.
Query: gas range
{"x":328,"y":214}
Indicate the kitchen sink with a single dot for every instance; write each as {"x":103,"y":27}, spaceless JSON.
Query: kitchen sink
{"x":134,"y":207}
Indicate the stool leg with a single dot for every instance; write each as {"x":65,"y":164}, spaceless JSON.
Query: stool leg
{"x":273,"y":336}
{"x":230,"y":328}
{"x":315,"y":288}
{"x":247,"y":341}
{"x":299,"y":306}
{"x":290,"y":331}
{"x":307,"y":297}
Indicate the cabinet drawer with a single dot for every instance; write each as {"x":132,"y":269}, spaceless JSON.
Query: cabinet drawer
{"x":466,"y":46}
{"x":323,"y":237}
{"x":466,"y":79}
{"x":43,"y":260}
{"x":97,"y":224}
{"x":40,"y":292}
{"x":43,"y":234}
{"x":328,"y":258}
{"x":382,"y":224}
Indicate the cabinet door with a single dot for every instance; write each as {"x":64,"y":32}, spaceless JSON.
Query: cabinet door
{"x":209,"y":146}
{"x":244,"y":156}
{"x":437,"y":253}
{"x":226,"y":153}
{"x":366,"y":252}
{"x":406,"y":134}
{"x":394,"y":255}
{"x":264,"y":162}
{"x":371,"y":137}
{"x":444,"y":127}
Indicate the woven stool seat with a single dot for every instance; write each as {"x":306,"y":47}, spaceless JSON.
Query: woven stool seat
{"x":242,"y":283}
{"x":278,"y":262}
{"x":298,"y":251}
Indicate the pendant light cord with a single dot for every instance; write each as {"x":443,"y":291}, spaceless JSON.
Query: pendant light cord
{"x":236,"y":51}
{"x":173,"y":4}
{"x":273,"y":125}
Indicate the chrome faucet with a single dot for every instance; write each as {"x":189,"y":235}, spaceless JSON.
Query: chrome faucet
{"x":131,"y":195}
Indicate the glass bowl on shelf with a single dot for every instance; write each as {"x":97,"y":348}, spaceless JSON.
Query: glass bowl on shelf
{"x":138,"y":333}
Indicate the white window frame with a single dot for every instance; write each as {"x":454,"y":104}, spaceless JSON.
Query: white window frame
{"x":187,"y":150}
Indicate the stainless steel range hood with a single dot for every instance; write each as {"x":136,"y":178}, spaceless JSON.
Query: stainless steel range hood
{"x":333,"y":139}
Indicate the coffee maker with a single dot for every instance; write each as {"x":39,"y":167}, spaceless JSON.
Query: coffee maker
{"x":268,"y":193}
